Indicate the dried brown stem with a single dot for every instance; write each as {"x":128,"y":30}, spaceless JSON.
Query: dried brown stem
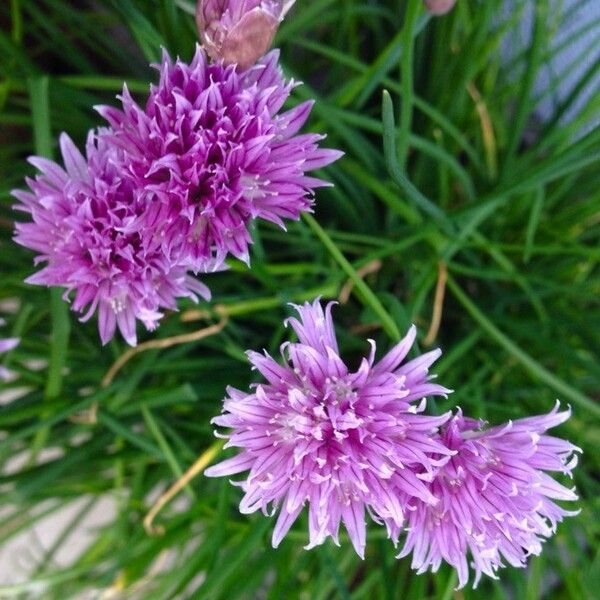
{"x":184,"y":338}
{"x":199,"y":465}
{"x":370,"y":267}
{"x":90,"y":416}
{"x":438,"y":304}
{"x":487,"y":129}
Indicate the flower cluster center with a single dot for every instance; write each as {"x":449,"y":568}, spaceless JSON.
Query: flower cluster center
{"x":327,"y":415}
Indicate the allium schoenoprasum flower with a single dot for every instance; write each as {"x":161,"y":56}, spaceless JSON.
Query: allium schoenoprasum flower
{"x":239,"y":32}
{"x":496,"y":496}
{"x":88,"y":228}
{"x":212,"y":152}
{"x":344,"y":442}
{"x":6,"y":345}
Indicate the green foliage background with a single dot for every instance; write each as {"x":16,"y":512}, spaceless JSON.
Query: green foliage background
{"x":452,"y":166}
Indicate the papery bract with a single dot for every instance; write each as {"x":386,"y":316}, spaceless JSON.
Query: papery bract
{"x":239,"y":32}
{"x":439,"y":7}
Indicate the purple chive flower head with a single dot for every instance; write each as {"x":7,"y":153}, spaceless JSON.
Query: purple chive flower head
{"x":344,"y":442}
{"x":6,"y":345}
{"x":496,"y":498}
{"x":211,"y":153}
{"x":239,"y":32}
{"x":88,"y":228}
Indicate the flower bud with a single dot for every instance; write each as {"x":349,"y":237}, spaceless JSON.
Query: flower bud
{"x":239,"y":31}
{"x":439,"y":7}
